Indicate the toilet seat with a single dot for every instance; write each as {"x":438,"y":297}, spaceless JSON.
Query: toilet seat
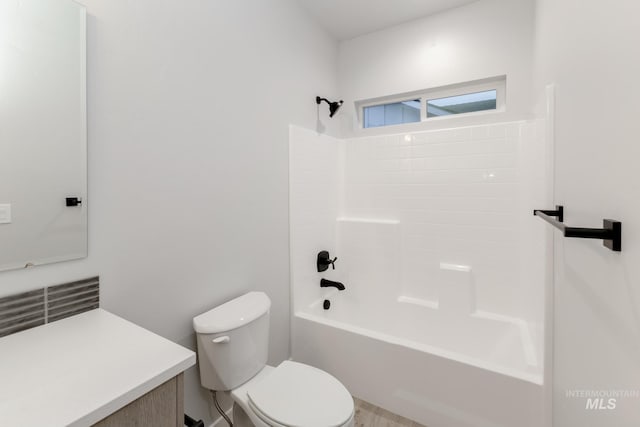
{"x":299,"y":395}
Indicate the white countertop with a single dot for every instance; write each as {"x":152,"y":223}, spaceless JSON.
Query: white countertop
{"x":77,"y":371}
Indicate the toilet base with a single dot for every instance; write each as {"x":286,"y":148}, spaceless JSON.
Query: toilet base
{"x":240,"y":418}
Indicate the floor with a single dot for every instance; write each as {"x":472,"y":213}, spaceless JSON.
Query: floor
{"x":368,"y":415}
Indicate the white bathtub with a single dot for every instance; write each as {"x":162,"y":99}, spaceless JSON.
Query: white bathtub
{"x":441,"y":370}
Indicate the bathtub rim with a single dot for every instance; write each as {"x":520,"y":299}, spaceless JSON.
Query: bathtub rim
{"x":534,"y":378}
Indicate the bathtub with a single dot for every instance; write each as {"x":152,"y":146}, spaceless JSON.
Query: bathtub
{"x":437,"y":368}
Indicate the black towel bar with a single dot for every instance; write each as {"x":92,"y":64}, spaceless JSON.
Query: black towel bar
{"x":610,"y":233}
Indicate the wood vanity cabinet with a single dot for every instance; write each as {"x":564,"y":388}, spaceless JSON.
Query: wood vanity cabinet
{"x":161,"y":407}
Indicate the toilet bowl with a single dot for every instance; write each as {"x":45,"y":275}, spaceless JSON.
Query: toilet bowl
{"x":292,"y":394}
{"x":232,"y":352}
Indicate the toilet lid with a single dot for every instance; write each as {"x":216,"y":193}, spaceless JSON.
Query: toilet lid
{"x":298,"y":395}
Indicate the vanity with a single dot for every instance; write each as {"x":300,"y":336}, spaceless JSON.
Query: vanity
{"x":93,"y":368}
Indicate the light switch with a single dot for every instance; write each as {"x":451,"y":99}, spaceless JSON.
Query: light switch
{"x":5,"y":214}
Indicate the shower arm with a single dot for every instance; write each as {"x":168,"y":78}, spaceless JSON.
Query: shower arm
{"x":333,"y":106}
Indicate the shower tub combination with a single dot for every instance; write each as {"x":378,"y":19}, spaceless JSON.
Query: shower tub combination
{"x":441,"y":361}
{"x":439,"y":370}
{"x":441,"y":320}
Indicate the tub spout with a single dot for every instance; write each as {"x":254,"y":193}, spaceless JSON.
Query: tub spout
{"x":324,"y":283}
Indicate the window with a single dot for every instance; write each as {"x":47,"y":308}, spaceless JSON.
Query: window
{"x":460,"y":104}
{"x":394,"y":113}
{"x":477,"y":97}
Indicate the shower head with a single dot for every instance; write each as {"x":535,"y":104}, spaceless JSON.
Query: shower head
{"x":333,"y":106}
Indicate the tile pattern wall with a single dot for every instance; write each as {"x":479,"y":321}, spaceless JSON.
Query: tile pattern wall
{"x":72,"y":298}
{"x":30,"y":309}
{"x":22,"y":311}
{"x":368,"y":251}
{"x":460,"y":196}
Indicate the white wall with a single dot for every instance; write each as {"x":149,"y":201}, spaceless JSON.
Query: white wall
{"x":588,"y":49}
{"x":189,"y":107}
{"x":484,"y":39}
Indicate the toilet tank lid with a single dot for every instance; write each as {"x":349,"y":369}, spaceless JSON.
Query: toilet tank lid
{"x":232,"y":314}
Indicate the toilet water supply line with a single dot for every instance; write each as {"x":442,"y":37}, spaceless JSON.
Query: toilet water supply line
{"x":220,"y":411}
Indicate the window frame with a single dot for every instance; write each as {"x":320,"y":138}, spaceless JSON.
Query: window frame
{"x":499,"y":84}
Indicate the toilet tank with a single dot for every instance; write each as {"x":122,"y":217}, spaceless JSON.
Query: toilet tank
{"x":233,"y":341}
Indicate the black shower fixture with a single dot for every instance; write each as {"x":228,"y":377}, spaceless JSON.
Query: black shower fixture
{"x":333,"y":106}
{"x":324,"y":261}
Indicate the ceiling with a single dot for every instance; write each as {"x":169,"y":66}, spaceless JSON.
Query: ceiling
{"x":346,"y":19}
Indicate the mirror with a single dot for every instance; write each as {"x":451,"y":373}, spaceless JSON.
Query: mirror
{"x":43,"y":161}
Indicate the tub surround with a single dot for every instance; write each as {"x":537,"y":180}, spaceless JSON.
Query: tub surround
{"x":82,"y":369}
{"x":432,"y":229}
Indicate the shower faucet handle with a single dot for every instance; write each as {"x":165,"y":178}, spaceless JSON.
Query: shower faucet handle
{"x":324,"y":260}
{"x":332,"y":262}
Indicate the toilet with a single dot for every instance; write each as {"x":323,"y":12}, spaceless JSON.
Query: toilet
{"x":233,"y":343}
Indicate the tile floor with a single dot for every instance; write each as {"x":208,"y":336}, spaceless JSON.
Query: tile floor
{"x":368,"y":415}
